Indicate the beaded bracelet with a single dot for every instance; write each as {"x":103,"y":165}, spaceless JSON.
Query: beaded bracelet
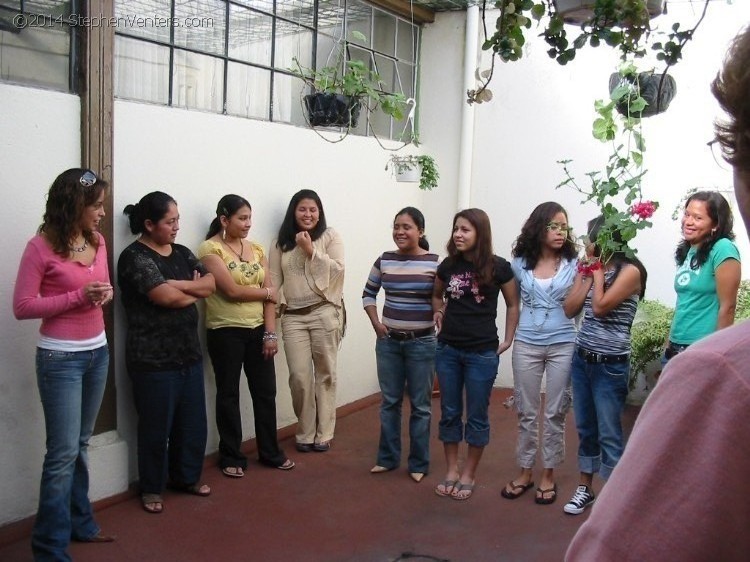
{"x":268,"y":294}
{"x":270,"y":336}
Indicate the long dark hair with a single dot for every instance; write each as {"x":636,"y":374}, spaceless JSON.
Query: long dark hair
{"x":289,"y":229}
{"x":721,"y":215}
{"x":618,"y":258}
{"x":67,"y":198}
{"x":731,"y":87}
{"x":418,"y":218}
{"x":152,"y":206}
{"x":483,"y":254}
{"x":529,"y":243}
{"x":227,"y":207}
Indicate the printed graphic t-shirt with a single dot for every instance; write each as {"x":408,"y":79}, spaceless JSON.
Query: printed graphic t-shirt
{"x":697,"y":309}
{"x":158,"y":338}
{"x":471,"y":309}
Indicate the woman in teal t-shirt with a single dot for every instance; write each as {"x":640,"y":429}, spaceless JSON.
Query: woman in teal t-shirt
{"x":708,"y":272}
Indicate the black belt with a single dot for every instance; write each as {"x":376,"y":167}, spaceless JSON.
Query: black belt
{"x":673,"y":349}
{"x":404,"y":335}
{"x":594,"y":357}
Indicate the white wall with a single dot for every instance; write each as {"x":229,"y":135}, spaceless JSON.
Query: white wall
{"x":541,"y":113}
{"x":40,"y":138}
{"x":199,"y":157}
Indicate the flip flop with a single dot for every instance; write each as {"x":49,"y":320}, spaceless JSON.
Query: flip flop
{"x":288,"y":464}
{"x":195,"y":489}
{"x":514,"y":495}
{"x":459,"y":488}
{"x":541,"y":500}
{"x":152,"y":503}
{"x":448,"y":487}
{"x":233,"y":471}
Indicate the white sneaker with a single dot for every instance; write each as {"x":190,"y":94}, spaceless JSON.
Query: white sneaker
{"x":583,"y":498}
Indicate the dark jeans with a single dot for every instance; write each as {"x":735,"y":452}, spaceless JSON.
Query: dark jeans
{"x":599,"y":393}
{"x":171,"y":408}
{"x":230,"y":350}
{"x":405,"y":367}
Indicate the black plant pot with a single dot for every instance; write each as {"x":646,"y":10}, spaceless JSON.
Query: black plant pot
{"x":648,"y":83}
{"x":332,"y":110}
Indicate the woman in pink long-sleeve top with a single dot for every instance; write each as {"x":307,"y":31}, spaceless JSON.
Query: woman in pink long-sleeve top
{"x":63,"y":279}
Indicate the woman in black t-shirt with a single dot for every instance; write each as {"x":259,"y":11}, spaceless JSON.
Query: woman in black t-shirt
{"x":464,"y":302}
{"x":160,"y":282}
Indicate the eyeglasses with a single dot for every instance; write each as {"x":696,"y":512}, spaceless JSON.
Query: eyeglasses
{"x":88,"y":178}
{"x":717,"y":154}
{"x":557,"y":227}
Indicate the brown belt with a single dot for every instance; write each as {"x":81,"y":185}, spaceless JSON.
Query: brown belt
{"x":306,"y":309}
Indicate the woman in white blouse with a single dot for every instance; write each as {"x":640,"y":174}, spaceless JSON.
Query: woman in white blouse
{"x":307,"y":264}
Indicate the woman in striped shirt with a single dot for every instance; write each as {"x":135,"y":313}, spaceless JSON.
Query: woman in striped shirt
{"x":405,"y":346}
{"x":608,"y":296}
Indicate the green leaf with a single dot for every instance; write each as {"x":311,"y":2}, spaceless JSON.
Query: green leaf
{"x":359,"y":36}
{"x":538,"y":11}
{"x":637,"y":158}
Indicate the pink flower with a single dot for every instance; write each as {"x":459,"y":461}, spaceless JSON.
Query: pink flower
{"x":643,"y":210}
{"x":586,"y":267}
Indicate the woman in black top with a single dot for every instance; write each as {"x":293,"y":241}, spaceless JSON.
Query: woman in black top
{"x":470,"y":280}
{"x":160,"y":282}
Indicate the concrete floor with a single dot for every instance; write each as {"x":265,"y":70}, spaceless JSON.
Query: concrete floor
{"x":331,"y":509}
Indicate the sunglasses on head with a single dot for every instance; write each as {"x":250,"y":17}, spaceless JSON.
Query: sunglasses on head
{"x":88,"y":178}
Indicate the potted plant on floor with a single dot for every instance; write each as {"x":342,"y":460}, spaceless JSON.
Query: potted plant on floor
{"x":413,"y":168}
{"x":647,"y":338}
{"x":338,"y":92}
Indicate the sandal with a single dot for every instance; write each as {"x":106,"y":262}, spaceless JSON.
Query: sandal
{"x":288,"y":464}
{"x":459,"y":489}
{"x":152,"y":503}
{"x":448,"y":487}
{"x":233,"y":471}
{"x":196,"y":489}
{"x":515,"y":494}
{"x":542,"y":497}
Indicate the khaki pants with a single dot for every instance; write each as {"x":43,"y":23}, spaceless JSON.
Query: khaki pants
{"x":311,"y":343}
{"x":530,"y":362}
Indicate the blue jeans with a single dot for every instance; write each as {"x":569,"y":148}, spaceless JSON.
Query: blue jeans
{"x":474,"y":371}
{"x":405,"y":364}
{"x":71,"y":386}
{"x":599,"y":392}
{"x":172,"y":427}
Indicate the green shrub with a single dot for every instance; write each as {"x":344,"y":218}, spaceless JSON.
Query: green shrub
{"x":649,"y":333}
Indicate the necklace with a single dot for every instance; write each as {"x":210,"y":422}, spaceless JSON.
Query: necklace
{"x":242,"y":250}
{"x":533,"y":296}
{"x":79,"y":249}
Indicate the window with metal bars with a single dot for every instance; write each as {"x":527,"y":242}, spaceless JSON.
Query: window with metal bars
{"x":38,"y":43}
{"x":234,"y":56}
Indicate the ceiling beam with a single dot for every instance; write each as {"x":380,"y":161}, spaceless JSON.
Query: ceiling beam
{"x":405,"y":8}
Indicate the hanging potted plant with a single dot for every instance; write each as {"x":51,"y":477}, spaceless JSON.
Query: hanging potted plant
{"x":657,"y":90}
{"x":617,"y":189}
{"x":581,"y":11}
{"x":338,"y":92}
{"x":415,"y":168}
{"x":620,"y":24}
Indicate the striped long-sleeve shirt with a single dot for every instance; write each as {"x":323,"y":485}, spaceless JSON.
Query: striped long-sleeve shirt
{"x":407,"y":281}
